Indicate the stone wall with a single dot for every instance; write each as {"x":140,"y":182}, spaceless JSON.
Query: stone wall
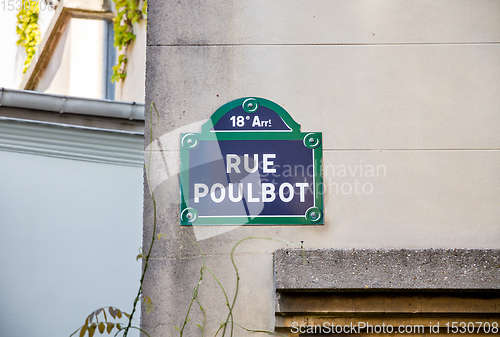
{"x":405,"y":94}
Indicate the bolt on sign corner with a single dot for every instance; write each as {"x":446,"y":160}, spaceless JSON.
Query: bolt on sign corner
{"x":251,"y":165}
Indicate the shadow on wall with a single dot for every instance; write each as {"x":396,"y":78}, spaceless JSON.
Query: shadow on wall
{"x":57,"y":65}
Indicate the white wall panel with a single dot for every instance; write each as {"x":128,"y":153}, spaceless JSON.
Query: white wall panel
{"x":69,"y":234}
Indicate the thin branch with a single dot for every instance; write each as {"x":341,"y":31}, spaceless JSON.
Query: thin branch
{"x":146,"y":259}
{"x":256,"y":330}
{"x":238,"y":277}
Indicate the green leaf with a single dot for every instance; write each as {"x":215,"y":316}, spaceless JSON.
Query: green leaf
{"x":129,"y":36}
{"x":27,"y":30}
{"x":145,"y":10}
{"x":132,"y":5}
{"x":128,"y":13}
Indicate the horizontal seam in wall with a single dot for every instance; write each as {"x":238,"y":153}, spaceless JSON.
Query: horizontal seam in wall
{"x":333,"y":149}
{"x":325,"y":44}
{"x":492,"y":149}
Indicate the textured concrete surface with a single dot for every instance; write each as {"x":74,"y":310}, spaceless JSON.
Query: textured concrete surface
{"x":387,"y":269}
{"x":420,"y":96}
{"x":411,"y":85}
{"x":418,"y":199}
{"x":201,"y":22}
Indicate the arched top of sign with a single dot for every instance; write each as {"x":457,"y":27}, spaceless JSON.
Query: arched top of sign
{"x":251,"y":114}
{"x":251,"y":165}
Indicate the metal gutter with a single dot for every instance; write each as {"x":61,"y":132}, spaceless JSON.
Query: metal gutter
{"x":68,"y":104}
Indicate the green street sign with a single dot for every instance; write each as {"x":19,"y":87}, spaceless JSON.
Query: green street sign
{"x":251,"y":165}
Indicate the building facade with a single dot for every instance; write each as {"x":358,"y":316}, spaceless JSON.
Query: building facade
{"x":405,"y":95}
{"x":71,"y":160}
{"x":71,"y":181}
{"x":76,"y":53}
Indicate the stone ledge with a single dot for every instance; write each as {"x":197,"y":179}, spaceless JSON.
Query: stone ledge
{"x":387,"y":269}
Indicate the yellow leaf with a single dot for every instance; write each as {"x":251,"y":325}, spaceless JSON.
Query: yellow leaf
{"x":92,"y":329}
{"x":101,"y":327}
{"x":83,"y":330}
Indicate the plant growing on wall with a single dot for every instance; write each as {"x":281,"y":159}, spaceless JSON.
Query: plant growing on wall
{"x":106,"y":324}
{"x":27,"y":29}
{"x":128,"y":13}
{"x":107,"y":319}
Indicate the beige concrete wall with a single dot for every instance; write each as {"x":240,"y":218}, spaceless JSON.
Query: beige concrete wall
{"x":410,"y":86}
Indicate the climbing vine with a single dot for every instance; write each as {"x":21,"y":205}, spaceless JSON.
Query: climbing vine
{"x":128,"y":13}
{"x":226,"y":327}
{"x":100,"y":321}
{"x":27,"y":29}
{"x":107,"y":324}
